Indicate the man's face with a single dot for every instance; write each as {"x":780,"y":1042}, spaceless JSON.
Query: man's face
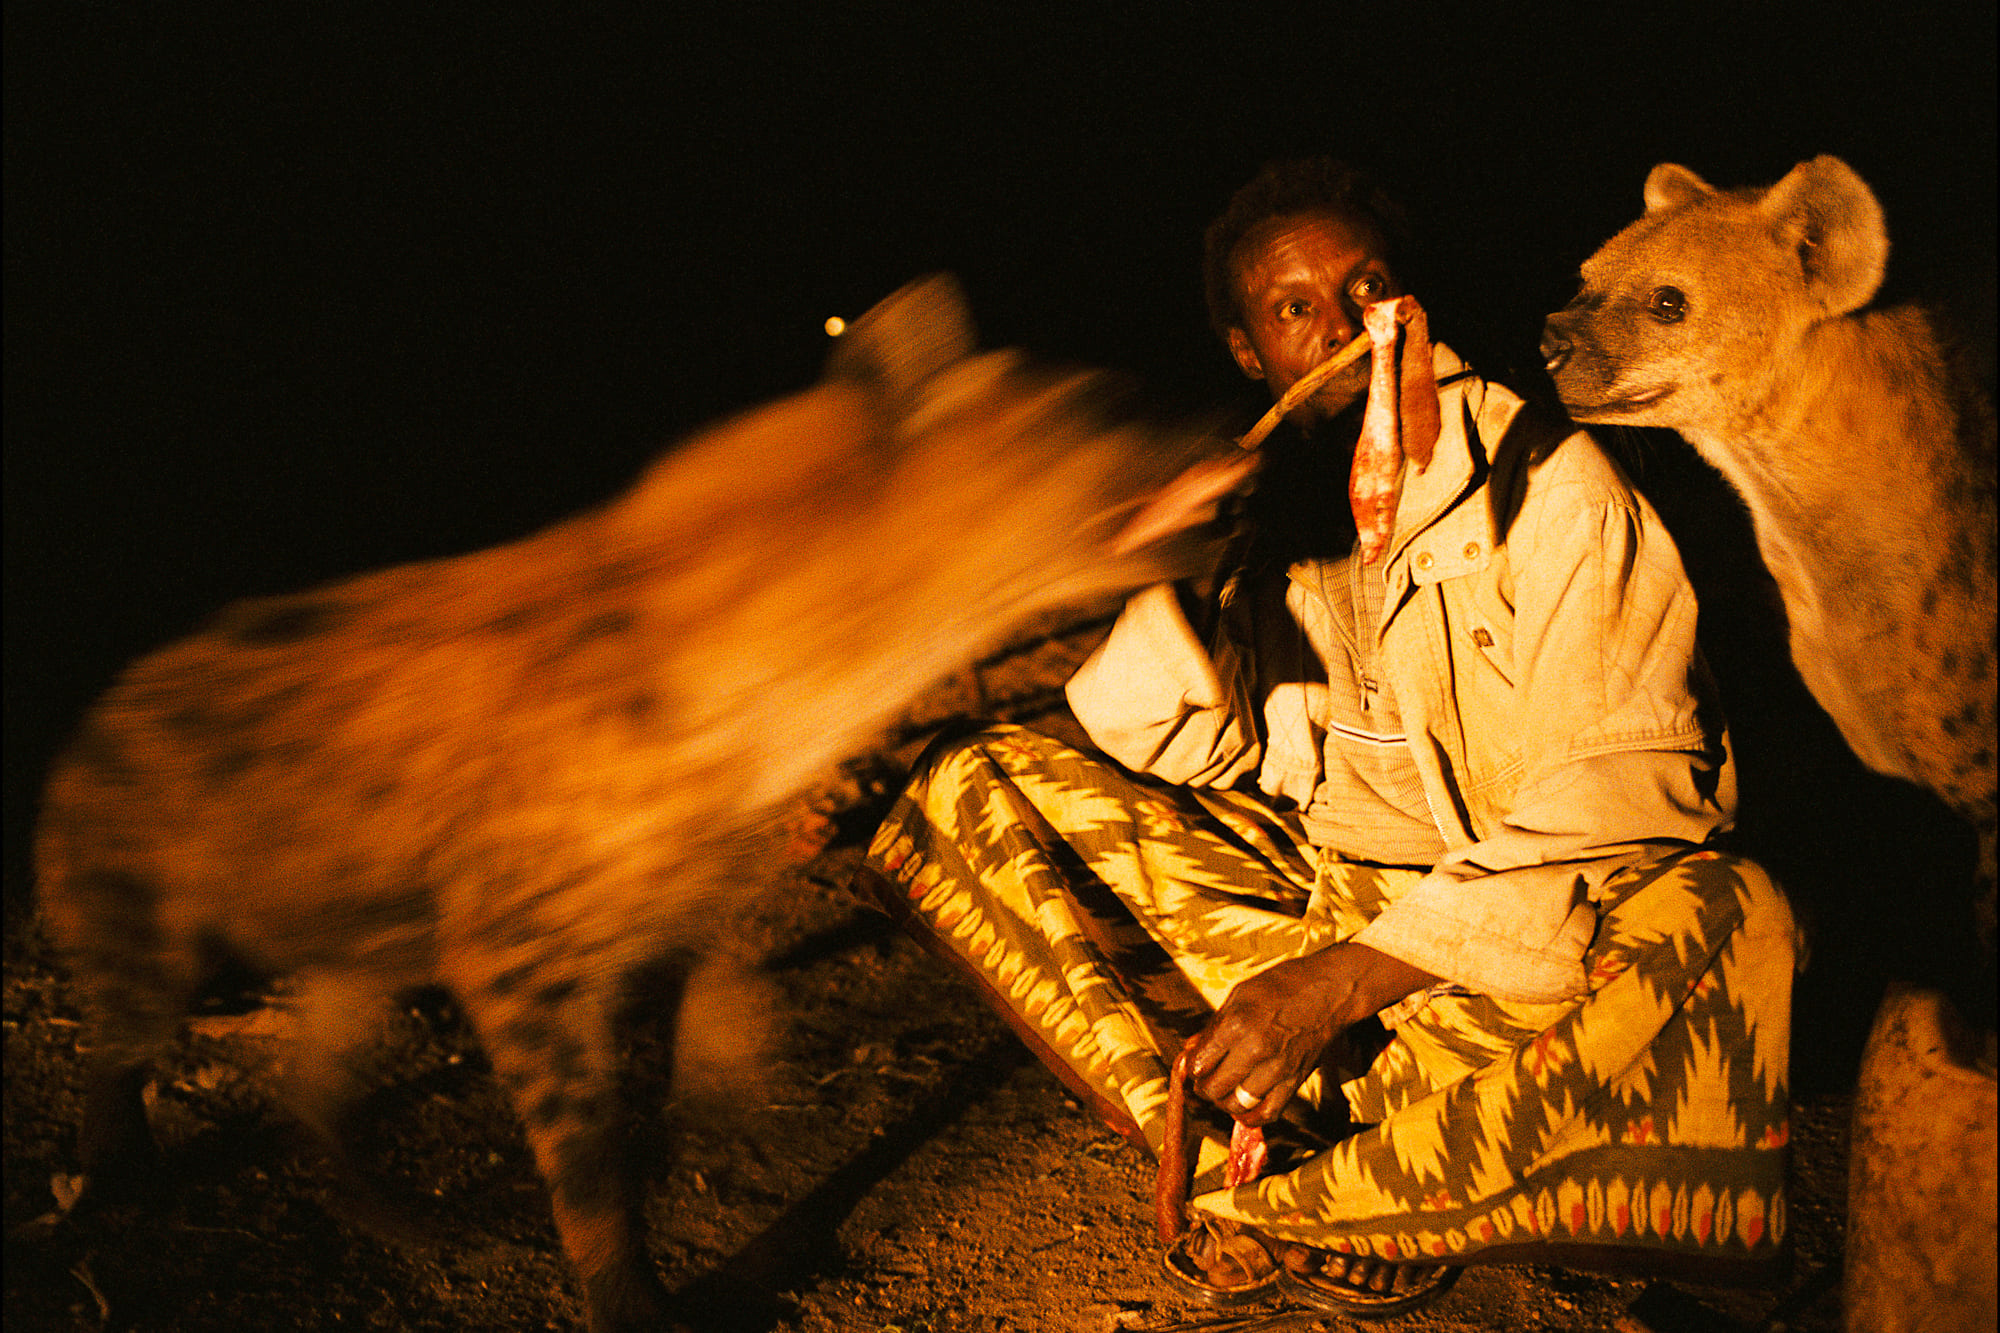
{"x":1301,"y":284}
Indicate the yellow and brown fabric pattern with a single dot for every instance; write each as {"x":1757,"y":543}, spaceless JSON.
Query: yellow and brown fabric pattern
{"x":1107,"y":914}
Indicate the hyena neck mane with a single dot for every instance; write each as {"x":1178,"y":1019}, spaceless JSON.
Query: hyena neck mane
{"x":1867,"y":466}
{"x":1821,"y":452}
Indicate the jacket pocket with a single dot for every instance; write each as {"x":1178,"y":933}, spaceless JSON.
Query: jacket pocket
{"x":1478,"y":630}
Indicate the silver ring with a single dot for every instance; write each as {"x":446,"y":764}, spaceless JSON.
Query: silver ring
{"x":1244,"y":1100}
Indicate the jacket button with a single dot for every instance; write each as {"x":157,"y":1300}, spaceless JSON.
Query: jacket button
{"x":1424,"y":560}
{"x":1483,"y":638}
{"x":1472,"y":550}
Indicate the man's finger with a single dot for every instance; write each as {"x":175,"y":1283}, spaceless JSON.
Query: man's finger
{"x":1221,"y":1040}
{"x":1232,"y":1068}
{"x":1270,"y":1104}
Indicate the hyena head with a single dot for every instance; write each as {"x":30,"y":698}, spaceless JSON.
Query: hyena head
{"x":1684,"y":318}
{"x":859,"y":540}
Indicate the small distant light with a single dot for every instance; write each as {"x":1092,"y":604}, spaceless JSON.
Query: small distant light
{"x":835,"y":326}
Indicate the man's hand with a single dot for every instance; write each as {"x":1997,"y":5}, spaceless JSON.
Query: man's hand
{"x":1273,"y":1028}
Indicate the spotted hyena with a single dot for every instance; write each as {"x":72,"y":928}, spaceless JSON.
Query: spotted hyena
{"x":524,"y":772}
{"x":1865,"y":455}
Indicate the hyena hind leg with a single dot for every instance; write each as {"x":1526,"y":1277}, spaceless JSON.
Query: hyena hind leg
{"x":550,"y":1041}
{"x":331,"y":1020}
{"x":114,"y":1141}
{"x":135,"y":1004}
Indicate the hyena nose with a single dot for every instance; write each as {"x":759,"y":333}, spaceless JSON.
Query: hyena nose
{"x":1555,"y":349}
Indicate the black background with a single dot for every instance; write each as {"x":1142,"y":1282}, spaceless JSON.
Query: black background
{"x":294,"y":291}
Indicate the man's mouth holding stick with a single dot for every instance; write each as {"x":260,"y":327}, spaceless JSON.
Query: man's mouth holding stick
{"x":1400,"y":421}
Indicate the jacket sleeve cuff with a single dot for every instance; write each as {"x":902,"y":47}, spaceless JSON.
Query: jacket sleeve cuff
{"x":1479,"y":936}
{"x":1151,"y":698}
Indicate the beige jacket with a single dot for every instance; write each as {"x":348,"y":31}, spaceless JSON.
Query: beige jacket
{"x":1539,"y":635}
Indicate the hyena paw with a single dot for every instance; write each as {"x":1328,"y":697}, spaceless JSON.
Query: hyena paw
{"x":627,"y":1298}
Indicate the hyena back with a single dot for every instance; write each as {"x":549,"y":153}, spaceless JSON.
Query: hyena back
{"x":522,"y":773}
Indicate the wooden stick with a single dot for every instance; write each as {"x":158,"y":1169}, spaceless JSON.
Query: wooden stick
{"x":1175,"y":1176}
{"x":1308,"y":384}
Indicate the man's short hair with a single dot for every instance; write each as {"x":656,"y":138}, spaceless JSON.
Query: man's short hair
{"x":1285,"y":189}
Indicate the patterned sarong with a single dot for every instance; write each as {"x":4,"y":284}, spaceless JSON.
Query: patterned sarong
{"x":1108,"y":914}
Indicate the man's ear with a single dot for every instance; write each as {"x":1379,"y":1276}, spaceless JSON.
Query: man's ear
{"x":1245,"y":354}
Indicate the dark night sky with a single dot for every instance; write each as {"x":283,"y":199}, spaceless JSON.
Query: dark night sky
{"x":289,"y":297}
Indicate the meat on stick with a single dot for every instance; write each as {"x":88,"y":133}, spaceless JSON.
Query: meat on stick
{"x":1247,"y":1154}
{"x":1401,"y":419}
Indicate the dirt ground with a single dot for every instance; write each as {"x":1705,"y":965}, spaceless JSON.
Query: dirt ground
{"x":906,"y":1168}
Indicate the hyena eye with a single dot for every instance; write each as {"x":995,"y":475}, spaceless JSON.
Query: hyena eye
{"x":1667,"y":305}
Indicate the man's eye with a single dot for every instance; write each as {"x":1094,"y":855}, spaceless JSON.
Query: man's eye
{"x":1292,"y":309}
{"x":1370,"y":288}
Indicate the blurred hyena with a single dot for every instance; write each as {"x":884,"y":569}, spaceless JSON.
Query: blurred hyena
{"x":524,"y":772}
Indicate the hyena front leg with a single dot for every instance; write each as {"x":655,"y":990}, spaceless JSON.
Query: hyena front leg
{"x":335,"y":1018}
{"x":549,"y":1036}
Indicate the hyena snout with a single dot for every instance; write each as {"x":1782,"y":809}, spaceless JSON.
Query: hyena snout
{"x":1557,"y":345}
{"x":1566,"y":332}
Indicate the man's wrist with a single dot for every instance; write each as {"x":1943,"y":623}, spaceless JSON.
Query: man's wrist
{"x":1377,"y":980}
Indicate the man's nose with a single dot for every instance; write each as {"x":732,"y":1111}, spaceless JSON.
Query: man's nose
{"x":1341,"y":326}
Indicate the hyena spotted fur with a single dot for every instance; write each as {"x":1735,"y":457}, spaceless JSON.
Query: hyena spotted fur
{"x":1862,"y":445}
{"x":523,"y":773}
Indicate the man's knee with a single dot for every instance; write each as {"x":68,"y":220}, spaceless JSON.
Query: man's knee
{"x":969,"y":749}
{"x":1712,"y":895}
{"x":1767,"y":913}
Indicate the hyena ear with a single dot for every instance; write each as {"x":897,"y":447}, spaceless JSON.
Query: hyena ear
{"x":906,"y":338}
{"x":1829,"y":217}
{"x":1670,"y":184}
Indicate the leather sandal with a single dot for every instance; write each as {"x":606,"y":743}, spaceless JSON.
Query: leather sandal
{"x":1220,"y":1262}
{"x":1360,"y":1286}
